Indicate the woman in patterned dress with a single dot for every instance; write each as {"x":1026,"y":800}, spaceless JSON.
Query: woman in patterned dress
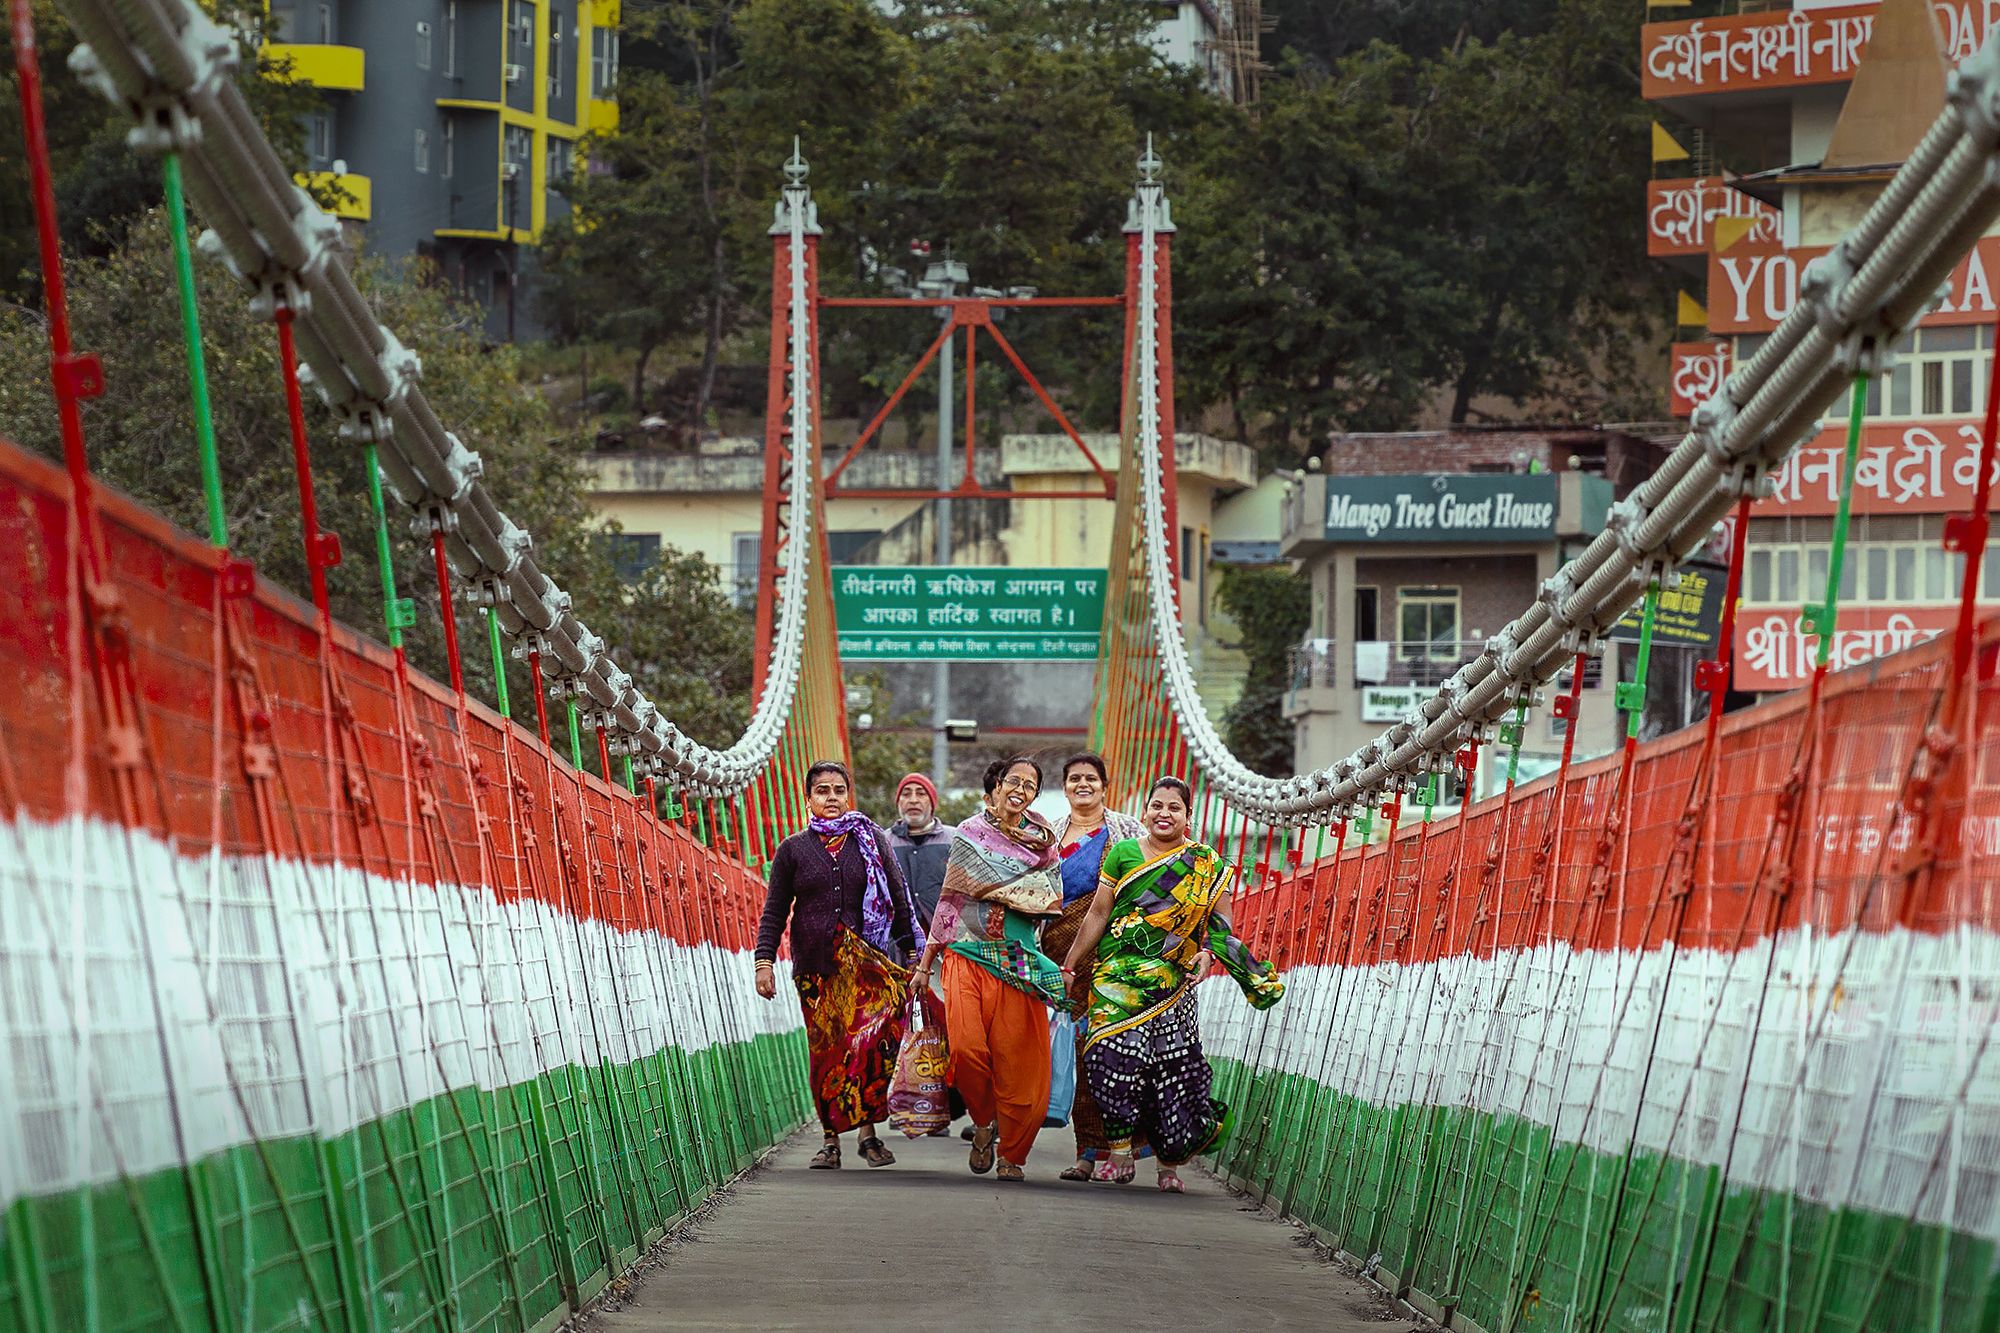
{"x":998,"y":985}
{"x":838,"y":889}
{"x":1157,"y":921}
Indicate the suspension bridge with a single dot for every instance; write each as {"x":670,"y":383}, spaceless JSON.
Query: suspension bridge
{"x":335,"y":997}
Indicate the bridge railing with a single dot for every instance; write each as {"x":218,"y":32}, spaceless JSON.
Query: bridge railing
{"x":328,"y":998}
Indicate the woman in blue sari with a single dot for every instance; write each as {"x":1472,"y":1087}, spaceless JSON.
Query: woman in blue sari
{"x":1082,"y":837}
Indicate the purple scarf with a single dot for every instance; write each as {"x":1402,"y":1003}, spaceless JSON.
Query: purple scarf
{"x":877,"y":912}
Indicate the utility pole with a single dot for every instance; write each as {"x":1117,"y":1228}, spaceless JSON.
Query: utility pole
{"x":942,"y":279}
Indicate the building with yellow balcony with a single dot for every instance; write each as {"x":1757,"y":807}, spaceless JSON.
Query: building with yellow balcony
{"x":450,"y":124}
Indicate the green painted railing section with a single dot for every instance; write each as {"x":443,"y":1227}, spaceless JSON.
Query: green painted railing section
{"x":1441,"y":1204}
{"x":470,"y":1210}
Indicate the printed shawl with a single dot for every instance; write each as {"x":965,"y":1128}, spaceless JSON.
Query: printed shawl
{"x":994,"y":884}
{"x":877,"y":912}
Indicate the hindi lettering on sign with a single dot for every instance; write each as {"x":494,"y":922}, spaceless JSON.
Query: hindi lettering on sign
{"x":1898,"y":468}
{"x":969,"y":614}
{"x":1681,"y":215}
{"x":1699,"y":370}
{"x":1774,"y":653}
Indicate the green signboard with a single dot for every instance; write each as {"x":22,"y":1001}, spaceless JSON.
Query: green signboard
{"x":1444,"y":507}
{"x":961,"y":613}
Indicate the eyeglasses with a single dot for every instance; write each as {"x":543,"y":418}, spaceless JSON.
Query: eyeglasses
{"x":1028,"y":785}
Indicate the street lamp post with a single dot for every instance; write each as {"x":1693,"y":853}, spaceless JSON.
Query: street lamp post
{"x":943,"y":279}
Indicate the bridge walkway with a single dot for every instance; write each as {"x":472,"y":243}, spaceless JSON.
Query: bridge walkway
{"x":924,"y":1245}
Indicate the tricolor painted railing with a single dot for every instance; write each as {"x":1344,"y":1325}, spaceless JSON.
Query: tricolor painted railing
{"x":1728,"y":1067}
{"x":378,"y":1015}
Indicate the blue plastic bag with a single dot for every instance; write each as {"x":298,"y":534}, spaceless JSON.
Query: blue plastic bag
{"x":1062,"y":1069}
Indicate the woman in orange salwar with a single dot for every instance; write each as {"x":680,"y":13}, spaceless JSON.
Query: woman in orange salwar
{"x":998,"y":986}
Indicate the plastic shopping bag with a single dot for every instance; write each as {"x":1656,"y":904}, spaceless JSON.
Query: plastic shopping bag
{"x":1062,"y":1069}
{"x":919,"y":1093}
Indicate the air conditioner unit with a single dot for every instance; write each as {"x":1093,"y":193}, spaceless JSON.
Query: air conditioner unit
{"x":513,"y":73}
{"x":509,"y":170}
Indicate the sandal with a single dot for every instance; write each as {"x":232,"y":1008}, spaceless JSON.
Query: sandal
{"x":1112,"y":1172}
{"x":876,"y":1153}
{"x":983,"y":1139}
{"x":1081,"y":1171}
{"x":827,"y":1158}
{"x":1171,"y":1183}
{"x":1008,"y":1171}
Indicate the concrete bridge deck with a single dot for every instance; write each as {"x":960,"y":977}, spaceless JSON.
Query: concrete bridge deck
{"x":926,"y":1245}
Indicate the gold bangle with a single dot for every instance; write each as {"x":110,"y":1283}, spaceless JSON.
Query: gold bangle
{"x":765,"y":962}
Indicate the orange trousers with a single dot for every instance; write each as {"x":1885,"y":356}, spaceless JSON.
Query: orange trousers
{"x":999,"y":1039}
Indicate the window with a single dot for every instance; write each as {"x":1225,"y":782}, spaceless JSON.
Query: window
{"x":1937,"y":374}
{"x":1187,"y":553}
{"x":448,"y":150}
{"x":1427,"y":623}
{"x":559,"y":162}
{"x":451,"y":38}
{"x":603,"y":61}
{"x":520,"y":145}
{"x":423,"y":151}
{"x":284,"y":20}
{"x":1367,"y":615}
{"x":423,"y":45}
{"x":524,"y":25}
{"x":325,"y":24}
{"x":319,"y":137}
{"x":744,"y":547}
{"x":1881,"y":573}
{"x":633,"y":554}
{"x":555,"y":58}
{"x":1201,"y":574}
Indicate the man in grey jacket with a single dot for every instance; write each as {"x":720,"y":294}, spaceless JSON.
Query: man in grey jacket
{"x":922,"y":844}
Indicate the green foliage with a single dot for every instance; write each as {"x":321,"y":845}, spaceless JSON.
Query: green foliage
{"x":1272,"y":608}
{"x":1435,"y":203}
{"x":883,"y":752}
{"x":674,"y":630}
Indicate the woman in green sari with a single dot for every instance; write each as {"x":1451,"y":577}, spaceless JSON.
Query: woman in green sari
{"x":1158,"y":920}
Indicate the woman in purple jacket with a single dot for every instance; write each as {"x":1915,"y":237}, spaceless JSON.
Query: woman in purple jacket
{"x":838,"y":890}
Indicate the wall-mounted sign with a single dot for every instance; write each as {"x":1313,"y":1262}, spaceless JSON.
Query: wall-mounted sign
{"x":1681,"y":215}
{"x":1698,"y":370}
{"x":1446,"y":507}
{"x":1689,"y":615}
{"x":1899,"y":468}
{"x":1773,"y":652}
{"x":1752,"y":287}
{"x":967,"y":613}
{"x":1388,"y":703}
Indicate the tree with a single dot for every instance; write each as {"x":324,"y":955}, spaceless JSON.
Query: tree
{"x":674,"y":630}
{"x":625,"y":267}
{"x":1272,"y":608}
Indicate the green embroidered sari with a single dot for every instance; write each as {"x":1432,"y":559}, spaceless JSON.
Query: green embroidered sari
{"x":1166,"y":911}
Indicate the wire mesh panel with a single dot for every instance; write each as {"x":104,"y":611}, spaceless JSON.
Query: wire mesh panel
{"x":327,"y":999}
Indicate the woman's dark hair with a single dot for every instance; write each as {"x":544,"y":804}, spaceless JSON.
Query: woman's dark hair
{"x":998,"y":770}
{"x":1086,"y":758}
{"x":1172,"y":784}
{"x":829,"y":766}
